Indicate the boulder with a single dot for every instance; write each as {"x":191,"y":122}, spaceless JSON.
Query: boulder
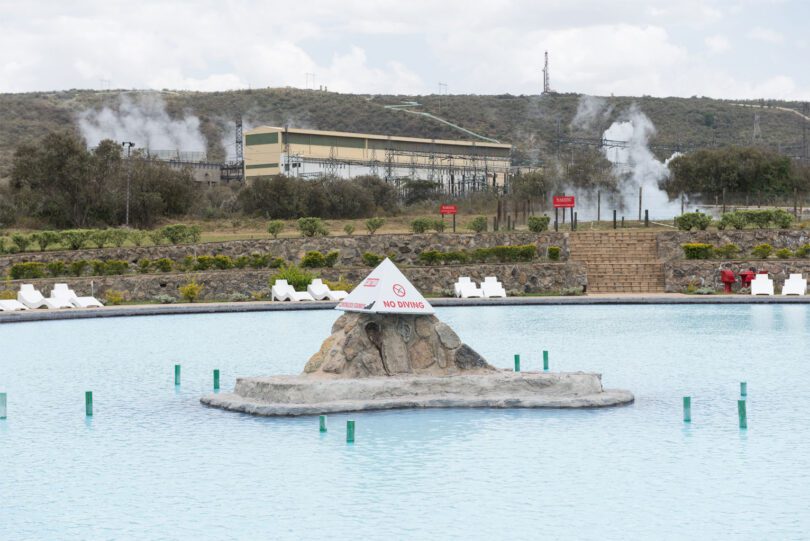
{"x":370,"y":345}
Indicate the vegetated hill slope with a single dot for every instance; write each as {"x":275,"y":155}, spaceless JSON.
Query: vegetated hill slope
{"x":528,"y":122}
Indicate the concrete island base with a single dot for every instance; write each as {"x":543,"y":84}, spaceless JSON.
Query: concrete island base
{"x":306,"y":395}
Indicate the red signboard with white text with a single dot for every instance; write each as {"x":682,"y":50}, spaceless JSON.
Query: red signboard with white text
{"x":564,"y":201}
{"x":448,"y":209}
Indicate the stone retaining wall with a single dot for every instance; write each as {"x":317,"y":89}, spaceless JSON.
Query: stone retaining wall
{"x":221,"y":285}
{"x":706,"y":273}
{"x":669,"y":242}
{"x":405,"y":247}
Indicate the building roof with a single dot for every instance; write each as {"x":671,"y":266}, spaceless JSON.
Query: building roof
{"x":264,"y":129}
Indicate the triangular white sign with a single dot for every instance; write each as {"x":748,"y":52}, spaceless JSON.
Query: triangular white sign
{"x":386,"y":291}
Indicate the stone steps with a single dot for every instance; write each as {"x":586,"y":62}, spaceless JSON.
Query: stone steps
{"x":618,"y":261}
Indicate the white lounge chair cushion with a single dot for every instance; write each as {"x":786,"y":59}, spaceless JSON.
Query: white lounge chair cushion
{"x":462,"y":280}
{"x":11,"y":306}
{"x":470,"y":290}
{"x":795,"y":285}
{"x":32,"y":298}
{"x":61,"y":292}
{"x":761,"y":285}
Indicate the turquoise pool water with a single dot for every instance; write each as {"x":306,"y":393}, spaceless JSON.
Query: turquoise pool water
{"x":154,"y":464}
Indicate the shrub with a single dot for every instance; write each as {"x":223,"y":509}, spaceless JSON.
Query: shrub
{"x":478,"y":224}
{"x":2,"y":245}
{"x":164,"y":264}
{"x":802,"y":251}
{"x":781,"y":218}
{"x":99,"y":237}
{"x":430,"y":257}
{"x":757,"y":218}
{"x":115,"y":266}
{"x":274,"y":227}
{"x":156,"y":236}
{"x":554,"y":253}
{"x":697,"y":250}
{"x":438,"y":226}
{"x":203,"y":263}
{"x":241,"y":262}
{"x":538,"y":224}
{"x":78,"y":267}
{"x":74,"y":239}
{"x":762,"y":251}
{"x":181,"y":233}
{"x":421,"y":225}
{"x":295,"y":276}
{"x":313,"y":259}
{"x":373,"y":224}
{"x":164,"y":299}
{"x":735,"y":220}
{"x":43,"y":239}
{"x":783,"y":253}
{"x":114,"y":297}
{"x":187,"y":263}
{"x":117,"y":237}
{"x":693,"y":220}
{"x":22,"y":242}
{"x":727,"y":251}
{"x":238,"y":297}
{"x":190,"y":292}
{"x":143,"y":265}
{"x":372,"y":260}
{"x":331,"y":258}
{"x":8,"y":295}
{"x":98,"y":267}
{"x":341,"y":284}
{"x":258,"y":260}
{"x":312,"y":227}
{"x":30,"y":270}
{"x":348,"y":229}
{"x":56,"y":268}
{"x":136,"y":236}
{"x":455,"y":257}
{"x":223,"y":262}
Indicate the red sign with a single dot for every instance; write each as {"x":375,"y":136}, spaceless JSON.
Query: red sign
{"x":448,"y":209}
{"x":563,"y":201}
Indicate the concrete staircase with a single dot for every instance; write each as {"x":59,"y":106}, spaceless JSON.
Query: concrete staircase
{"x":618,"y":261}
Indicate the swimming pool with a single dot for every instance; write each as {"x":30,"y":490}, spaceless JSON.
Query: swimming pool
{"x":153,"y":463}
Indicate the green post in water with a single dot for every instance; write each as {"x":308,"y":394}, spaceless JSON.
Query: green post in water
{"x":349,"y":431}
{"x":3,"y":405}
{"x":177,"y":374}
{"x":216,"y":379}
{"x":687,"y":409}
{"x":88,"y":403}
{"x":517,"y":363}
{"x":742,"y":413}
{"x":323,"y":423}
{"x":743,"y":388}
{"x":545,"y":360}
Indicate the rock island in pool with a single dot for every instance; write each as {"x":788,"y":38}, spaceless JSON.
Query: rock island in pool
{"x":390,"y":351}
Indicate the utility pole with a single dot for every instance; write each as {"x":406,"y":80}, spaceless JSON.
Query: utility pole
{"x":128,"y":145}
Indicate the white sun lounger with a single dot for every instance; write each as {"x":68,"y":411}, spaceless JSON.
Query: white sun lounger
{"x":282,"y":291}
{"x":795,"y":285}
{"x":761,"y":285}
{"x":320,"y":291}
{"x":32,"y":298}
{"x":491,"y":287}
{"x":11,"y":306}
{"x":466,"y":289}
{"x":64,"y":293}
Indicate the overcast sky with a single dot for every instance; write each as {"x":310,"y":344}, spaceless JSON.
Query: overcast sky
{"x":722,"y":48}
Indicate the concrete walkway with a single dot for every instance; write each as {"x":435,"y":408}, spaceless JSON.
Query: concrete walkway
{"x":266,"y":306}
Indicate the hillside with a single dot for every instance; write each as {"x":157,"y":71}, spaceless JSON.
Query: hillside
{"x":528,"y":122}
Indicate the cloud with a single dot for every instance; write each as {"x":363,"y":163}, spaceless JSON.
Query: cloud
{"x":717,"y":44}
{"x":766,"y":35}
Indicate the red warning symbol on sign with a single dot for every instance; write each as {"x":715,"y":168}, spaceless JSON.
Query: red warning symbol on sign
{"x":399,"y":291}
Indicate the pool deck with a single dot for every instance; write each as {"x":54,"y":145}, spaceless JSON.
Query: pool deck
{"x":267,"y":306}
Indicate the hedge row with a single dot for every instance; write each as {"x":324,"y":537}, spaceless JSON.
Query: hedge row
{"x":110,"y":267}
{"x":736,"y":220}
{"x":76,"y":239}
{"x":699,"y":250}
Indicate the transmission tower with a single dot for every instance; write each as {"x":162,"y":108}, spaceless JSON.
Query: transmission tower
{"x":546,"y":80}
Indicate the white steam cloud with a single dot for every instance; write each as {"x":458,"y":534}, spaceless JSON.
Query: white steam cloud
{"x":229,"y":137}
{"x":591,"y":112}
{"x":145,"y":122}
{"x":637,"y":167}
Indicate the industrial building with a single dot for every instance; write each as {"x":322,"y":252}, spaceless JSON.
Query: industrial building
{"x":457,"y":166}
